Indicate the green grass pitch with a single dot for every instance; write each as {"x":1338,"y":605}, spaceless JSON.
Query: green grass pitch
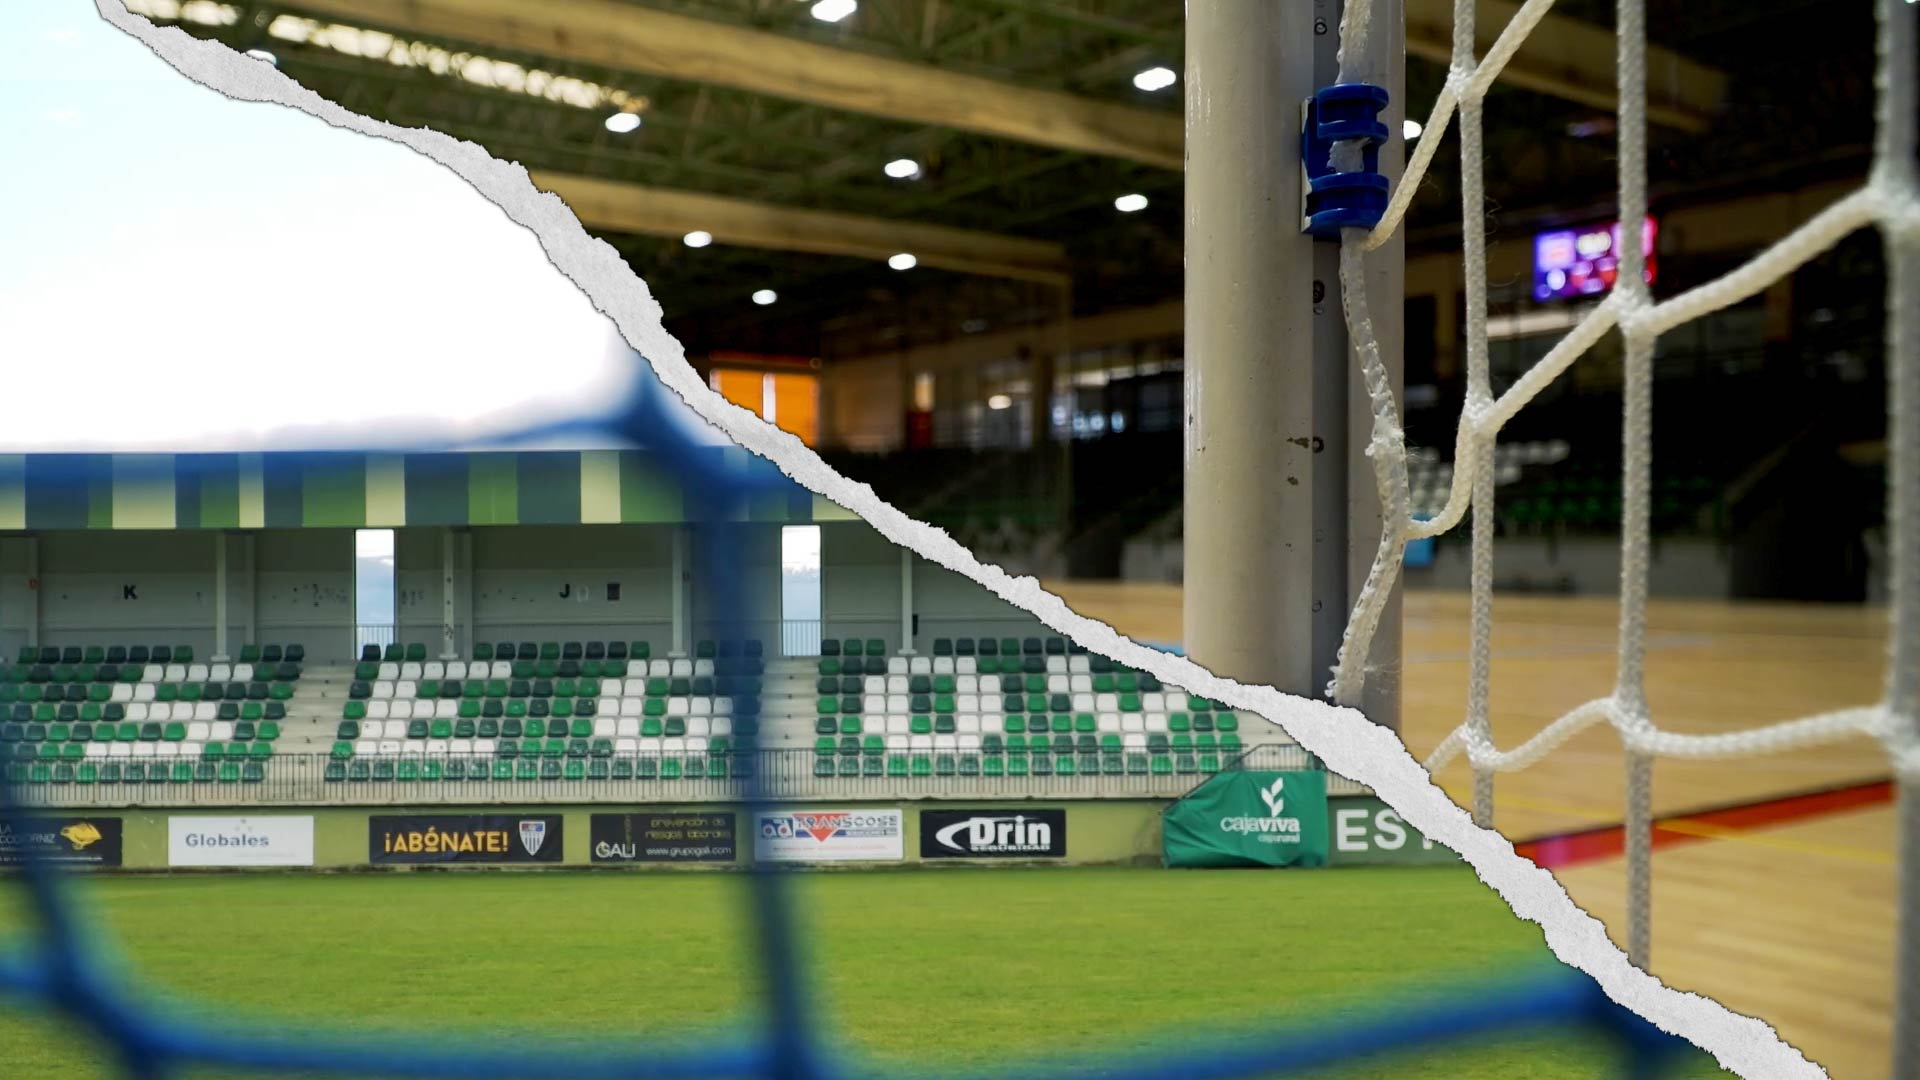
{"x":923,"y":970}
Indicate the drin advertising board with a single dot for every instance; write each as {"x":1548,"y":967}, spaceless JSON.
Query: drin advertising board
{"x":993,"y":834}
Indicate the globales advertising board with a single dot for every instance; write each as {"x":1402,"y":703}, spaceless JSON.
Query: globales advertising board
{"x":240,"y":841}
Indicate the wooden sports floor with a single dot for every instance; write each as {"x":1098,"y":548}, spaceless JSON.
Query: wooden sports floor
{"x":1782,"y":909}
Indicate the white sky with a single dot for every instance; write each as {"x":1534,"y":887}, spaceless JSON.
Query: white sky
{"x":182,"y":271}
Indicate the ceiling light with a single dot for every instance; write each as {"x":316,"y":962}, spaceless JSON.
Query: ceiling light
{"x":622,"y":122}
{"x":903,"y":168}
{"x":1411,"y":128}
{"x":1155,"y":78}
{"x":903,"y":261}
{"x":765,"y":296}
{"x":1130,"y":202}
{"x":998,"y":402}
{"x":697,"y":238}
{"x":265,"y":56}
{"x":834,"y":10}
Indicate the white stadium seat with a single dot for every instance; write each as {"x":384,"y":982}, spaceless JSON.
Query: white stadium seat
{"x":220,"y":672}
{"x":433,"y":669}
{"x":379,"y":709}
{"x":382,"y":689}
{"x":143,"y":692}
{"x":243,"y":673}
{"x":965,"y":665}
{"x":919,"y":665}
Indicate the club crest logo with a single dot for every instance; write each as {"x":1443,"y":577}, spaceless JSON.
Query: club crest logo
{"x":533,"y":834}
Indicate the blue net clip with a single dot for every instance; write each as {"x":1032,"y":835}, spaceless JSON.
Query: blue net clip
{"x":1332,"y":200}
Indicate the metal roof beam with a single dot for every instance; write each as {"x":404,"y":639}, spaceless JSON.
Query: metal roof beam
{"x":634,"y":38}
{"x":634,"y":208}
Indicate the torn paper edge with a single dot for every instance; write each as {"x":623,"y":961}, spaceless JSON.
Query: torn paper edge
{"x":1342,"y":738}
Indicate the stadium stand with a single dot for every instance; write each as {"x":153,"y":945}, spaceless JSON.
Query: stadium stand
{"x":979,"y":707}
{"x":98,"y":714}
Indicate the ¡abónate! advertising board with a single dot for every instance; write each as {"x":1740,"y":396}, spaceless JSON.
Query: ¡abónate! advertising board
{"x":465,"y":838}
{"x":829,"y":836}
{"x":240,"y":841}
{"x":671,"y":838}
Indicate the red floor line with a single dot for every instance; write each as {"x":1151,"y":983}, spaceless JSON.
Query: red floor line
{"x":1607,"y":842}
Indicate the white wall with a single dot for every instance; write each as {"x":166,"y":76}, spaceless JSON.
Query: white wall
{"x":306,"y":590}
{"x":949,"y":605}
{"x":859,"y":583}
{"x":743,"y":558}
{"x":861,"y":594}
{"x":548,"y":582}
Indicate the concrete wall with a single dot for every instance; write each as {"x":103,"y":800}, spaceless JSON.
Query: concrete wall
{"x":1100,"y":832}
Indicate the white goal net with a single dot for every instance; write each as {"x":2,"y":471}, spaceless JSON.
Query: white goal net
{"x":1890,"y":200}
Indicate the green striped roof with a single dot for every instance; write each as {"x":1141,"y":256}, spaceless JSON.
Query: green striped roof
{"x":334,"y":490}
